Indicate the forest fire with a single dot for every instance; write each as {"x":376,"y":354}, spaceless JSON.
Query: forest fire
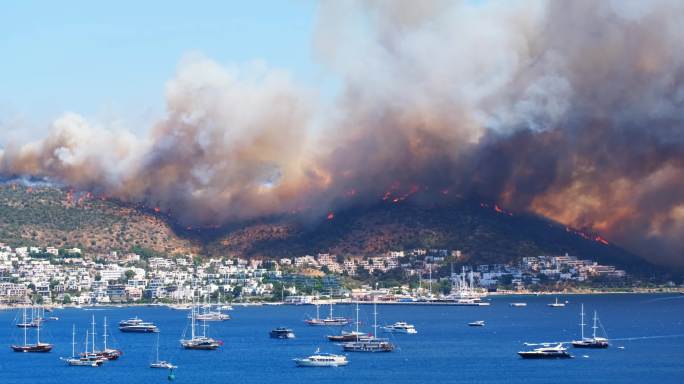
{"x":330,"y":216}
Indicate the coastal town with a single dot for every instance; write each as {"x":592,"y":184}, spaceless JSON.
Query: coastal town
{"x":60,"y":276}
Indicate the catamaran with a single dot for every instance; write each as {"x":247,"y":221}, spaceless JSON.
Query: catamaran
{"x":328,"y":321}
{"x":593,"y":341}
{"x":161,"y":363}
{"x":196,"y":341}
{"x":371,"y":343}
{"x":89,"y":360}
{"x":350,"y":336}
{"x":26,"y":347}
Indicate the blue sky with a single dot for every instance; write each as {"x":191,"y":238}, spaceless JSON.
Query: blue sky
{"x":112,"y":59}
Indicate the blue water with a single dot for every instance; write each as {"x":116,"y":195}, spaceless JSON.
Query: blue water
{"x":445,"y":350}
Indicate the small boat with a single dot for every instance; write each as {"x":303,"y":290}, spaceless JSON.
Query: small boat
{"x":556,"y":304}
{"x":400,"y":327}
{"x":478,"y":323}
{"x":518,"y":304}
{"x":161,"y":363}
{"x":346,"y":336}
{"x":546,"y":352}
{"x":593,"y":341}
{"x":136,"y":325}
{"x":319,"y":359}
{"x":213,"y":316}
{"x":26,"y":347}
{"x":282,"y":333}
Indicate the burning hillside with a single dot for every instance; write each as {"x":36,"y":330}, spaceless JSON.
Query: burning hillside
{"x":570,"y":110}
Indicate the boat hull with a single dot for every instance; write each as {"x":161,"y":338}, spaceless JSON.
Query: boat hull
{"x":314,"y":364}
{"x":539,"y":356}
{"x":590,"y":345}
{"x":40,"y":348}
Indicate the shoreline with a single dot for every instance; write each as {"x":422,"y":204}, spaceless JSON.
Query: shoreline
{"x":349,"y":301}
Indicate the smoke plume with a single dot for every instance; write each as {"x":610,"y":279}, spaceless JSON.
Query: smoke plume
{"x":572,"y":110}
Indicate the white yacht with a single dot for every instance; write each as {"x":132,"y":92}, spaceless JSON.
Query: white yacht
{"x":319,"y":359}
{"x":400,"y":327}
{"x":518,"y":304}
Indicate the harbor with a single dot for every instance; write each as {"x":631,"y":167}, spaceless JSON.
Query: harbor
{"x":444,"y":349}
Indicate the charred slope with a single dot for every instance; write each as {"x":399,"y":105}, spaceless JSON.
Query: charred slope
{"x":483,"y":232}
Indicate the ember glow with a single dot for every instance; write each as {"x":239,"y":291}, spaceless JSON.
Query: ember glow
{"x":570,"y":110}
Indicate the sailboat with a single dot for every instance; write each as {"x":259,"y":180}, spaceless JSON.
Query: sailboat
{"x":371,"y":343}
{"x":26,"y":347}
{"x":593,"y":342}
{"x":196,"y":341}
{"x":86,"y":361}
{"x":328,"y":321}
{"x":25,"y":323}
{"x":349,"y":336}
{"x":106,"y":353}
{"x":556,"y":304}
{"x":161,"y":363}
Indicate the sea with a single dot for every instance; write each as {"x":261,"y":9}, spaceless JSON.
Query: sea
{"x":646,"y":333}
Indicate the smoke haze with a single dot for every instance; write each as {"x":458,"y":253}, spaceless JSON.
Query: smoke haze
{"x":572,"y":110}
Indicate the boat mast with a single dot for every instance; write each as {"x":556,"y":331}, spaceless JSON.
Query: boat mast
{"x":73,"y":340}
{"x":594,"y":327}
{"x":38,"y":333}
{"x":357,"y":320}
{"x":192,"y":316}
{"x":25,"y":325}
{"x":157,"y":347}
{"x":331,"y":304}
{"x":582,"y":321}
{"x":375,"y":318}
{"x":93,"y":324}
{"x":105,"y":333}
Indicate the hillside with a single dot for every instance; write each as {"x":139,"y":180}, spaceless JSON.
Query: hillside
{"x":50,"y":216}
{"x":484,"y":233}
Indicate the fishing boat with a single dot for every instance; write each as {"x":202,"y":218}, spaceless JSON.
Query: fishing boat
{"x":197,"y":342}
{"x":282,"y":333}
{"x":26,"y":347}
{"x":546,"y":352}
{"x":106,"y":352}
{"x":319,"y":359}
{"x":478,"y":323}
{"x":556,"y":304}
{"x":161,"y":363}
{"x":328,"y":321}
{"x":371,"y":343}
{"x":345,"y":336}
{"x":400,"y":327}
{"x":518,"y":304}
{"x":593,"y":341}
{"x":136,"y":325}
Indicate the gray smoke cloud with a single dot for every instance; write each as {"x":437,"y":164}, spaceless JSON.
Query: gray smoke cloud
{"x":571,"y":110}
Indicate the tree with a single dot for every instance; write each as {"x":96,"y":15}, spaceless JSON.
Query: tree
{"x":237,"y":291}
{"x":129,"y":274}
{"x":66,"y":299}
